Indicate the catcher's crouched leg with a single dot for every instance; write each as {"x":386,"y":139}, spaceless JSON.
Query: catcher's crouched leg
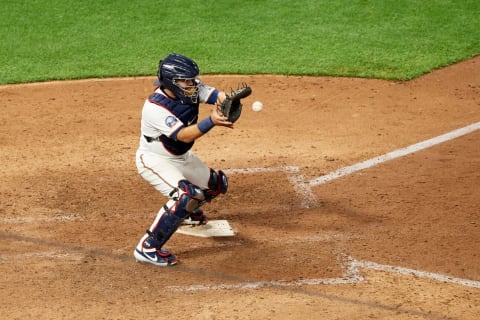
{"x":149,"y":250}
{"x":217,"y":184}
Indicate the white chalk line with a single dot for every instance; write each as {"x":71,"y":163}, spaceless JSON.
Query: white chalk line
{"x":287,"y":169}
{"x":304,"y":189}
{"x":352,"y":275}
{"x":416,"y":273}
{"x":308,"y":199}
{"x":395,"y":154}
{"x":30,"y":219}
{"x":35,"y":256}
{"x":297,"y":180}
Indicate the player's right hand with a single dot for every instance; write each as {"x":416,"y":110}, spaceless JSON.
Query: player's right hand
{"x":219,"y":119}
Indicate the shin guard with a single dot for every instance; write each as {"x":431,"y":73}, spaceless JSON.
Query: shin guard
{"x":190,"y":199}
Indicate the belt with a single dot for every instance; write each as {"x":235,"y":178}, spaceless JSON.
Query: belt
{"x":150,"y":139}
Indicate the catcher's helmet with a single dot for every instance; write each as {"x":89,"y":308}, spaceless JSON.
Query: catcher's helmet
{"x":175,"y":67}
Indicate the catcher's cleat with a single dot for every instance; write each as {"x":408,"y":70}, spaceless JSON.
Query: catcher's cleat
{"x":162,"y":258}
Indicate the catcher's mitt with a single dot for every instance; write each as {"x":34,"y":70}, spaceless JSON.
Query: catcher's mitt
{"x":231,"y":107}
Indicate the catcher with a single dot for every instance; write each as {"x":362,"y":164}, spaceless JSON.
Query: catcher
{"x":169,"y":128}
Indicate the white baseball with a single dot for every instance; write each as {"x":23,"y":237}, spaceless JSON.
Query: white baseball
{"x":257,"y":106}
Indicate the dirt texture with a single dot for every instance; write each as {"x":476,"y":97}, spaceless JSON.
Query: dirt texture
{"x":397,"y":240}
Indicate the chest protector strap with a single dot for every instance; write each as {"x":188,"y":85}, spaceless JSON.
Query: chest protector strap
{"x":187,"y":113}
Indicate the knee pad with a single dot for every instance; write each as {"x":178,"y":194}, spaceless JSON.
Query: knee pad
{"x":217,"y":184}
{"x":191,"y":198}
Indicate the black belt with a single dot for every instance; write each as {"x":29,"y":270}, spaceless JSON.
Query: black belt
{"x":150,"y":139}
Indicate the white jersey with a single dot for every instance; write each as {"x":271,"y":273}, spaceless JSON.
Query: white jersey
{"x":159,"y":121}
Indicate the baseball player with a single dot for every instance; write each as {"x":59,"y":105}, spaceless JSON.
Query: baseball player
{"x":169,"y":128}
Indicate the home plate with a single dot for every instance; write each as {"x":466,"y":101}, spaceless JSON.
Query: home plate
{"x":213,"y":228}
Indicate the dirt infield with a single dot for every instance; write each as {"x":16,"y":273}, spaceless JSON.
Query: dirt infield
{"x":397,"y":239}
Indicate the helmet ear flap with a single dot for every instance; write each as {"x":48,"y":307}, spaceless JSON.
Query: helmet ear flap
{"x":160,"y":76}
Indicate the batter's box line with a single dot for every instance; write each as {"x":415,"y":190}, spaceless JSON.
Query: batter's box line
{"x":47,"y":255}
{"x":304,"y":189}
{"x":296,"y":179}
{"x":352,"y":275}
{"x":34,"y":219}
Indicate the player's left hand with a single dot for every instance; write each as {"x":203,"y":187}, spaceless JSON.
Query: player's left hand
{"x":231,"y":107}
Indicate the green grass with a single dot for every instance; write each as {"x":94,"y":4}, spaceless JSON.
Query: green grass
{"x":53,"y":39}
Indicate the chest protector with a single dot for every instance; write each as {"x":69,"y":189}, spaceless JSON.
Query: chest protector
{"x":186,"y":113}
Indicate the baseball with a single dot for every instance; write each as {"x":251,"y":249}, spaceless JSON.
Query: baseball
{"x":257,"y":106}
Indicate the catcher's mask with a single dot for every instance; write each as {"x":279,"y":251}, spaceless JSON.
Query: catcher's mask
{"x":176,"y":67}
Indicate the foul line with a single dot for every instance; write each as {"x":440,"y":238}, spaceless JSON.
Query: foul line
{"x":394,"y":154}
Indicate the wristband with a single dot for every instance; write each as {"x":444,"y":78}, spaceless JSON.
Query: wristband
{"x":213,"y":97}
{"x":205,"y":125}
